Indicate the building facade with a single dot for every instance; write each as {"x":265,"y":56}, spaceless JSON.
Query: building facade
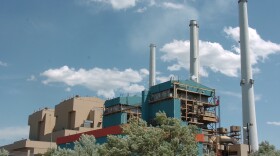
{"x":71,"y":116}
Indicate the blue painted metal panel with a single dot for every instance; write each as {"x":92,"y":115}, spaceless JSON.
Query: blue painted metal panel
{"x":196,"y":87}
{"x":145,"y":105}
{"x":161,"y":87}
{"x":200,"y":149}
{"x":101,"y":140}
{"x":114,"y":119}
{"x":185,"y":84}
{"x":69,"y":145}
{"x":171,"y":107}
{"x":130,"y":100}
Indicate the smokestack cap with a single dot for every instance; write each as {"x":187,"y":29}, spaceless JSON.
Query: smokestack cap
{"x":242,"y":1}
{"x":152,"y":45}
{"x":193,"y":23}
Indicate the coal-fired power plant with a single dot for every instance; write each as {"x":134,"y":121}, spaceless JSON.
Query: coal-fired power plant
{"x":188,"y":100}
{"x":152,"y":79}
{"x":194,"y":51}
{"x":247,"y":82}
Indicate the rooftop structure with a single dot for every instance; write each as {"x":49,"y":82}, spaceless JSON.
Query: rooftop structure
{"x":119,"y":110}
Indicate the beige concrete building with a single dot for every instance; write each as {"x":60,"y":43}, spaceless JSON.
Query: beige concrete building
{"x":41,"y":123}
{"x":74,"y":115}
{"x":76,"y":112}
{"x":28,"y":147}
{"x":238,"y":150}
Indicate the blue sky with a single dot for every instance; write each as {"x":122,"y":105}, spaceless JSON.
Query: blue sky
{"x":52,"y":50}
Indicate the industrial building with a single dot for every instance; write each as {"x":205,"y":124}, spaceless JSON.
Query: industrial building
{"x":187,"y":100}
{"x":71,"y":116}
{"x":190,"y":102}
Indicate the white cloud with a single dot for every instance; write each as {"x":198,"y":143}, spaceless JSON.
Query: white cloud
{"x":4,"y":64}
{"x":122,"y":4}
{"x":273,"y":123}
{"x":172,"y":5}
{"x":134,"y":88}
{"x":116,"y":4}
{"x":162,"y":79}
{"x":32,"y":78}
{"x":259,"y":48}
{"x":211,"y":56}
{"x":214,"y":57}
{"x":104,"y":81}
{"x":10,"y":134}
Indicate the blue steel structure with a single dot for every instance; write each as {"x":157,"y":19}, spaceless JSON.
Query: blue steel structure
{"x":120,"y":109}
{"x":186,"y":100}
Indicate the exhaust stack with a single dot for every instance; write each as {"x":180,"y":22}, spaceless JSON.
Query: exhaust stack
{"x":250,"y":137}
{"x":194,"y":53}
{"x":152,"y":79}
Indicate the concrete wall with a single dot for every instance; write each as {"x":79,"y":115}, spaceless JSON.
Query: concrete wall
{"x":238,"y":150}
{"x":28,"y":147}
{"x":96,"y":115}
{"x":41,"y":123}
{"x":71,"y":114}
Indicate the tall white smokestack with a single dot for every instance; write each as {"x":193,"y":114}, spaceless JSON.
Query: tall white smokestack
{"x":247,"y":82}
{"x":152,"y":81}
{"x":194,"y":53}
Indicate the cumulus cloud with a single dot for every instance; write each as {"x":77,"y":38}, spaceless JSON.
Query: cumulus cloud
{"x":4,"y":64}
{"x":259,"y":48}
{"x":273,"y":123}
{"x":106,"y":82}
{"x":10,"y":134}
{"x":211,"y":56}
{"x":214,"y":57}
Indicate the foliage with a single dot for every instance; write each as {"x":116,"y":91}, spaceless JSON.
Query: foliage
{"x":59,"y":152}
{"x":86,"y":146}
{"x":167,"y":138}
{"x":4,"y":152}
{"x":266,"y":149}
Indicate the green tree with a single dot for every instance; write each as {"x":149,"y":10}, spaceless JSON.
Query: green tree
{"x":266,"y":149}
{"x":168,"y":138}
{"x":4,"y":152}
{"x":85,"y":146}
{"x":59,"y":152}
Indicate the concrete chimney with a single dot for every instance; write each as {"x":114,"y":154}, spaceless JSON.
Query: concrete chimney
{"x":250,"y":136}
{"x":152,"y":81}
{"x":194,"y":52}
